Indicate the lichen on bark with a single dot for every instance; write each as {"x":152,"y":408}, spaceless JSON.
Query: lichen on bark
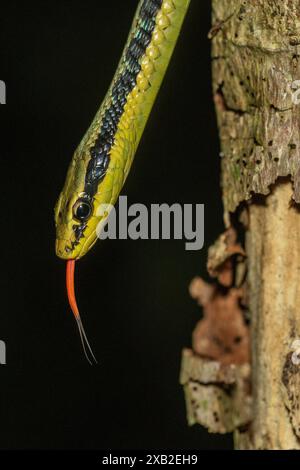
{"x":256,"y":65}
{"x":256,"y":89}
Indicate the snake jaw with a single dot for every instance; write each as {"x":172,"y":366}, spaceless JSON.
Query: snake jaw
{"x":70,"y":270}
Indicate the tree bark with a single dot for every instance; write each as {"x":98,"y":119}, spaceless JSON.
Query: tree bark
{"x":256,"y":82}
{"x":273,"y":249}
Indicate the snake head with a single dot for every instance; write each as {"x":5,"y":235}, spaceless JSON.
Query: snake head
{"x":74,"y":215}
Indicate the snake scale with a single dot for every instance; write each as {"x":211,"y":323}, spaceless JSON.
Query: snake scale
{"x":101,"y":163}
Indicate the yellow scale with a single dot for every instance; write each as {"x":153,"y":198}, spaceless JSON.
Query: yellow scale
{"x":130,"y":128}
{"x":139,"y":102}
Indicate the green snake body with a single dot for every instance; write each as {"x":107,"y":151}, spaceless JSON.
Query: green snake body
{"x":101,"y":163}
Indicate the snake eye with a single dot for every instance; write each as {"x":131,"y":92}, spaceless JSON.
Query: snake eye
{"x":82,"y":210}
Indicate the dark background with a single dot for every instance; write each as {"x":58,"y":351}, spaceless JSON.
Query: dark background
{"x":57,"y":60}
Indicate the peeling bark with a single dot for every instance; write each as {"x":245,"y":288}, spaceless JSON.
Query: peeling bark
{"x":220,"y":259}
{"x":222,"y":334}
{"x":256,"y":86}
{"x":256,"y":66}
{"x":256,"y":69}
{"x":273,"y":248}
{"x":216,"y":373}
{"x":217,"y":395}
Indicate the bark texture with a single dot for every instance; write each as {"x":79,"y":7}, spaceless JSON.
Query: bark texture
{"x":256,"y":72}
{"x":256,"y":86}
{"x":217,"y":395}
{"x":273,"y":248}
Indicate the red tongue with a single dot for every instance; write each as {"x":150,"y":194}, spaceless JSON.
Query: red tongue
{"x":70,"y":287}
{"x":73,"y":304}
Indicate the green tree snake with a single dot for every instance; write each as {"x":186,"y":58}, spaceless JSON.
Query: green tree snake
{"x":102,"y":161}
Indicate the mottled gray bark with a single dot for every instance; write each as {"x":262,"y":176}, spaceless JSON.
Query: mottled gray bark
{"x":256,"y":87}
{"x":256,"y":66}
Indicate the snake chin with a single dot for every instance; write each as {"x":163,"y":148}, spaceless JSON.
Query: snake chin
{"x":64,"y":250}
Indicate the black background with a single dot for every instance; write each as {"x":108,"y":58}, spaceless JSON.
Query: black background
{"x":57,"y":60}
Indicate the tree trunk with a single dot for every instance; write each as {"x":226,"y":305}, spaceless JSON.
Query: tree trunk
{"x":273,"y":249}
{"x":256,"y":82}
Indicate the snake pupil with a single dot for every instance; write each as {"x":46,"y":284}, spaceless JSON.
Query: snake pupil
{"x":82,"y":210}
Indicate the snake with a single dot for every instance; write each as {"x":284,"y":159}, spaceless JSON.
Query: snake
{"x":102,"y":160}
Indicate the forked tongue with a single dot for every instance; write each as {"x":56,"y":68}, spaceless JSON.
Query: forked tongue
{"x":73,"y":304}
